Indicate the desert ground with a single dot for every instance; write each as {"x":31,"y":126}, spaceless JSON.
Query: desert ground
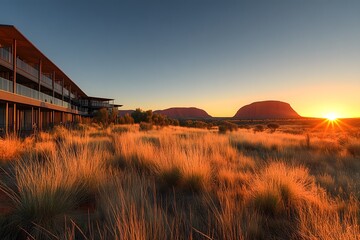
{"x":301,"y":181}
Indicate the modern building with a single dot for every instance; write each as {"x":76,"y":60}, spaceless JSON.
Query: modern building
{"x":34,"y":91}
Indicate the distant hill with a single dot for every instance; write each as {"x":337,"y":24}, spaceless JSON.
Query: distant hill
{"x":184,"y":113}
{"x":122,"y":113}
{"x":267,"y":110}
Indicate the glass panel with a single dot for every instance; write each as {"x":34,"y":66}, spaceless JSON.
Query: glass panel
{"x":57,"y":102}
{"x":27,"y":68}
{"x":66,"y":104}
{"x":25,"y":91}
{"x":58,"y":88}
{"x":46,"y":81}
{"x":6,"y":54}
{"x":6,"y":85}
{"x":46,"y":98}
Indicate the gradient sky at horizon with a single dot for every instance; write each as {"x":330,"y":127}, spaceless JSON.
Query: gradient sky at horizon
{"x":214,"y":55}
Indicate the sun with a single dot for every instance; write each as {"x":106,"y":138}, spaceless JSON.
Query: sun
{"x":331,"y":116}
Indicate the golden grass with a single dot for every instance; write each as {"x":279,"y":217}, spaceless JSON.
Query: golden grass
{"x":180,"y":183}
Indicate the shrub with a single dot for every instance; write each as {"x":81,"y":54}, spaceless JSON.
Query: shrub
{"x":258,"y":128}
{"x":145,"y":126}
{"x":120,"y":130}
{"x":222,"y":129}
{"x":227,"y":126}
{"x":140,"y":116}
{"x":102,"y":116}
{"x":273,"y":127}
{"x":126,"y":119}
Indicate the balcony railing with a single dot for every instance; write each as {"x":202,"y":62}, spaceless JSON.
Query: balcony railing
{"x":27,"y":92}
{"x":6,"y":85}
{"x":46,"y":81}
{"x":100,"y":104}
{"x":27,"y":68}
{"x":58,"y":88}
{"x":6,"y":55}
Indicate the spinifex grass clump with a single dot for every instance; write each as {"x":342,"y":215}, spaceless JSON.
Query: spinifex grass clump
{"x":131,"y":210}
{"x":280,"y":193}
{"x":48,"y":192}
{"x":12,"y":146}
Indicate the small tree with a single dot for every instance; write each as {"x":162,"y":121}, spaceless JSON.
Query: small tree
{"x":102,"y":116}
{"x":139,"y":116}
{"x":273,"y":127}
{"x":128,"y":119}
{"x":258,"y":128}
{"x":113,"y":116}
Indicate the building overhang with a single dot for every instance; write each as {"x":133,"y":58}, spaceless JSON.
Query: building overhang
{"x":31,"y":54}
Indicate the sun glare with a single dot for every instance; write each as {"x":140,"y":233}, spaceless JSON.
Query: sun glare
{"x":331,"y":116}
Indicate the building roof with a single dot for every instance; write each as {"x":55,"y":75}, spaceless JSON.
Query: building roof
{"x":99,"y":98}
{"x":31,"y":54}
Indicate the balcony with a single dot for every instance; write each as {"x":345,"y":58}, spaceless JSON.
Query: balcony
{"x":7,"y":85}
{"x":58,"y":88}
{"x":46,"y":81}
{"x":27,"y":68}
{"x":66,"y":92}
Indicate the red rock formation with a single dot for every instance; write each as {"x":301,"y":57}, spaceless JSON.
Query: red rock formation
{"x":266,"y":110}
{"x":184,"y":113}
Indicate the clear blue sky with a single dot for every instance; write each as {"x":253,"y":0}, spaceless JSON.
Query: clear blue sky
{"x":215,"y":55}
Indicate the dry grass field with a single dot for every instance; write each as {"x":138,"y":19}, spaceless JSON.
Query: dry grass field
{"x":181,"y":183}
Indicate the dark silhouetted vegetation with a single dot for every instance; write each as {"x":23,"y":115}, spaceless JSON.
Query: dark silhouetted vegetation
{"x":258,"y":128}
{"x":273,"y":127}
{"x":227,"y":126}
{"x":154,"y":118}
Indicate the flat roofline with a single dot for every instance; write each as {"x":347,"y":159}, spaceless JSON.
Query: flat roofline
{"x":99,"y":98}
{"x":30,"y":51}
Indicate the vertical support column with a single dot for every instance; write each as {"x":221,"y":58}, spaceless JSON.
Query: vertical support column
{"x":70,"y":96}
{"x":14,"y":65}
{"x":7,"y":118}
{"x":32,"y":116}
{"x":39,"y":120}
{"x":53,"y":87}
{"x":15,"y":118}
{"x":39,"y":78}
{"x":52,"y":117}
{"x":62,"y":92}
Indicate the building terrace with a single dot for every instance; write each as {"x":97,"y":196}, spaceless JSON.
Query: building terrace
{"x":34,"y":91}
